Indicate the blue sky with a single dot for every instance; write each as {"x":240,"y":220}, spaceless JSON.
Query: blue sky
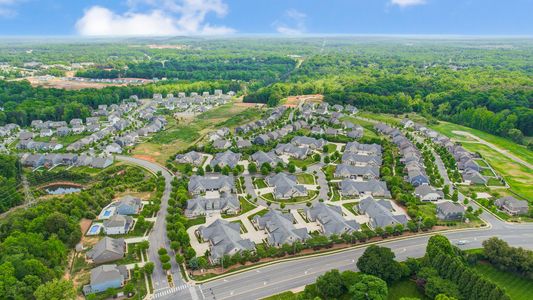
{"x":283,"y":17}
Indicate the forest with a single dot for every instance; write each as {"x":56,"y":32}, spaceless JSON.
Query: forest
{"x":23,"y":103}
{"x":10,"y":182}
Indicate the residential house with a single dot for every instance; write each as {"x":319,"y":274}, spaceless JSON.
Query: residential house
{"x":118,"y":224}
{"x":107,"y":250}
{"x":285,"y":186}
{"x":356,"y":172}
{"x":426,"y":193}
{"x":449,"y":211}
{"x":372,"y":187}
{"x":330,"y":219}
{"x":292,"y":151}
{"x":310,"y":142}
{"x":280,"y":228}
{"x":194,"y":158}
{"x":224,"y":239}
{"x":380,"y":213}
{"x":202,"y":184}
{"x":201,"y":206}
{"x":227,"y":158}
{"x":512,"y":206}
{"x":270,"y":158}
{"x":105,"y":277}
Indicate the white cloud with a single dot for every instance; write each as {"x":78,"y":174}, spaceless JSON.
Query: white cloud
{"x":6,"y":8}
{"x":296,"y":22}
{"x":164,"y":17}
{"x":405,"y":3}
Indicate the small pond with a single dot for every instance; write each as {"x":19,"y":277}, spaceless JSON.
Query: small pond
{"x":62,"y":189}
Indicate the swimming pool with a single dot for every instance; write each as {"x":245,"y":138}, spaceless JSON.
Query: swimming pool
{"x":107,"y":213}
{"x":95,"y":229}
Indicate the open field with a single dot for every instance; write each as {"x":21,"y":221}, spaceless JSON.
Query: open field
{"x":181,"y":135}
{"x":502,"y":143}
{"x":517,"y":287}
{"x":516,"y":175}
{"x":59,"y":83}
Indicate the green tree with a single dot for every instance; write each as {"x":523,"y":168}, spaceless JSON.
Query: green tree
{"x":369,"y":288}
{"x":330,"y":285}
{"x":55,"y":290}
{"x":379,"y":261}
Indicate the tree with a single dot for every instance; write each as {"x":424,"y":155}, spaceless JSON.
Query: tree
{"x":455,"y":196}
{"x":166,"y":266}
{"x":252,"y":168}
{"x":379,"y":261}
{"x":179,"y":258}
{"x":55,"y":290}
{"x":148,"y":268}
{"x":291,"y":168}
{"x":446,"y":190}
{"x":330,"y":285}
{"x":369,"y":288}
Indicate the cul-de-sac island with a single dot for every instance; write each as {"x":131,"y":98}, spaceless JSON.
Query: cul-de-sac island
{"x":321,"y":167}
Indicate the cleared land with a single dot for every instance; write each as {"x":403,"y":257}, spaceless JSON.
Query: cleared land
{"x":181,"y":134}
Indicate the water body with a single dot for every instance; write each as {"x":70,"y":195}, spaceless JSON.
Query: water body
{"x":62,"y":189}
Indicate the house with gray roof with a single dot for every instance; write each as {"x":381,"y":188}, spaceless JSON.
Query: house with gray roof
{"x":227,"y":158}
{"x":201,"y":206}
{"x":361,"y":160}
{"x":372,"y":187}
{"x":221,"y":144}
{"x":380,"y":213}
{"x":512,"y":206}
{"x":243,"y":144}
{"x":118,"y":224}
{"x":224,"y":239}
{"x":194,"y":158}
{"x":310,"y":142}
{"x":426,"y":193}
{"x":293,"y":151}
{"x":101,"y":162}
{"x":364,"y":149}
{"x":107,"y":250}
{"x":473,"y":177}
{"x":201,"y":184}
{"x":270,"y":158}
{"x":449,"y":211}
{"x":280,"y":228}
{"x":128,"y":205}
{"x":356,"y":172}
{"x":330,"y":219}
{"x":285,"y":186}
{"x":105,"y":277}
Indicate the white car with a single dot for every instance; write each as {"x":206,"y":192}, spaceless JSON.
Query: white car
{"x":462,"y":242}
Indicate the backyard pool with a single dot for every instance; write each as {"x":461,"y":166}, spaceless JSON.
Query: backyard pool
{"x":95,"y":229}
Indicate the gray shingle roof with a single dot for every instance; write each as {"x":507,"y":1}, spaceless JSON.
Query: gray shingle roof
{"x":225,"y":238}
{"x":106,"y":250}
{"x":286,"y":186}
{"x":380,"y":213}
{"x":331,"y":219}
{"x":280,"y":228}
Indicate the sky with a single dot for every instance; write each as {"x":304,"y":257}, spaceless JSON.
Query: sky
{"x":272,"y":17}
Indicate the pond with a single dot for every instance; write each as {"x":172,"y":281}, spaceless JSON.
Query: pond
{"x":61,"y":189}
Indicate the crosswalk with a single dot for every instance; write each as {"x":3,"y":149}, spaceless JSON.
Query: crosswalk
{"x":170,"y":291}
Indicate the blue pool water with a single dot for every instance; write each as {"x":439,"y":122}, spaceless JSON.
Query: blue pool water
{"x":107,"y":213}
{"x":95,"y":229}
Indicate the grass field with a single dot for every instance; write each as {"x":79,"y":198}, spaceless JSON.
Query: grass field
{"x":301,"y":163}
{"x":245,"y":205}
{"x":516,"y":175}
{"x":517,"y":287}
{"x":368,"y":132}
{"x":502,"y":143}
{"x":260,"y":183}
{"x":181,"y":135}
{"x":304,"y":178}
{"x":351,"y":207}
{"x":404,"y":288}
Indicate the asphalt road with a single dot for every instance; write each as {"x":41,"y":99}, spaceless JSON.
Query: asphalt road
{"x":158,"y":235}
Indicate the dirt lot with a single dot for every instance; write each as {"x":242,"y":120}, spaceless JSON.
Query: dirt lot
{"x":72,"y":85}
{"x":292,"y":101}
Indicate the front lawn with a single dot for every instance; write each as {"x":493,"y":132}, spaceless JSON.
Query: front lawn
{"x":195,"y":221}
{"x":260,"y":183}
{"x":305,"y":178}
{"x":301,"y":163}
{"x":352,"y":207}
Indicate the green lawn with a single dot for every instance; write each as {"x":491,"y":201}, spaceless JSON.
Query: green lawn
{"x":329,"y":170}
{"x":331,"y":148}
{"x":185,"y":133}
{"x":259,"y":213}
{"x":516,"y":286}
{"x":305,"y":178}
{"x":404,"y":288}
{"x":351,"y":207}
{"x":283,"y":296}
{"x":301,"y":163}
{"x":195,"y":221}
{"x":245,"y":205}
{"x":260,"y":183}
{"x":368,"y":132}
{"x":516,"y":175}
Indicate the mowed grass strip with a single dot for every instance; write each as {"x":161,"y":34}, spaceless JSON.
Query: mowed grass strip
{"x":517,"y":287}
